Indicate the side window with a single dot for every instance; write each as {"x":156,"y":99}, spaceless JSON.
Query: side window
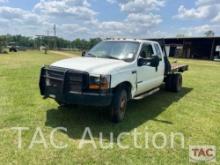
{"x":147,"y":51}
{"x":157,"y":48}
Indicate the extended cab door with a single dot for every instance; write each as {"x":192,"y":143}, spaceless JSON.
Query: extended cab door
{"x":149,"y":77}
{"x":159,"y":75}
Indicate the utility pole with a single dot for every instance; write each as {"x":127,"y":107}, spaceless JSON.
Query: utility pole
{"x":55,"y":35}
{"x":55,"y":30}
{"x":48,"y":33}
{"x":40,"y":37}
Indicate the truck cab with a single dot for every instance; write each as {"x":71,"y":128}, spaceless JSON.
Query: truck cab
{"x":110,"y":74}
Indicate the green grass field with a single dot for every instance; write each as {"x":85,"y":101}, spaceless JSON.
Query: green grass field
{"x":195,"y":112}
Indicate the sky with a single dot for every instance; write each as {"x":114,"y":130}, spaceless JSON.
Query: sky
{"x":110,"y":18}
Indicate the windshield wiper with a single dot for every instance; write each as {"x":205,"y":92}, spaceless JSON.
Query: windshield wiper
{"x":111,"y":57}
{"x":91,"y":55}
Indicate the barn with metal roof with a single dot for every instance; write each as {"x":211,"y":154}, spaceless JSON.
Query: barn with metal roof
{"x":192,"y":47}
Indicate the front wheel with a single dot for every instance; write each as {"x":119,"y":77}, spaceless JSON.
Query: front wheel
{"x":119,"y":105}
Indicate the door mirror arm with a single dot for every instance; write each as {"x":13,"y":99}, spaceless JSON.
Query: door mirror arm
{"x":83,"y":53}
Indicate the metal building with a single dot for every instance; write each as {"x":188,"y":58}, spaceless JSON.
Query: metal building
{"x":192,"y":47}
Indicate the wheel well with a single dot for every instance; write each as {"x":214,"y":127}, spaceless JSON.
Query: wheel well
{"x":127,"y":85}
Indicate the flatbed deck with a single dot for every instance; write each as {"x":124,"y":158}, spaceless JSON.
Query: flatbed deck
{"x":179,"y":67}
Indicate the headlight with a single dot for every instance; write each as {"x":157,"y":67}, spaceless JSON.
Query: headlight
{"x":99,"y":82}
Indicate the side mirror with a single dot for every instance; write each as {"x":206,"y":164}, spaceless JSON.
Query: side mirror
{"x":141,"y":62}
{"x":155,"y":61}
{"x":160,"y":58}
{"x":83,"y":53}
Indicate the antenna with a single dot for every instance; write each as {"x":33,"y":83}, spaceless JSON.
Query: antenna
{"x":55,"y":30}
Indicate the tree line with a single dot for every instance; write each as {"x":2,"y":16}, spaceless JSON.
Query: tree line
{"x":47,"y":41}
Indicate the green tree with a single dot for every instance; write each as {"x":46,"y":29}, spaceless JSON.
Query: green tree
{"x":2,"y":43}
{"x":50,"y":41}
{"x":94,"y":41}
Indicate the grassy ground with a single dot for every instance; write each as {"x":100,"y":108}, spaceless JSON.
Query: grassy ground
{"x":195,"y":112}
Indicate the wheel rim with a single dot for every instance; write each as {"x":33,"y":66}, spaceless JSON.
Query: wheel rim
{"x":123,"y":104}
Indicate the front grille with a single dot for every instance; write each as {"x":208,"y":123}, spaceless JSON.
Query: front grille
{"x":54,"y":79}
{"x":76,"y":82}
{"x":64,"y":80}
{"x":53,"y":74}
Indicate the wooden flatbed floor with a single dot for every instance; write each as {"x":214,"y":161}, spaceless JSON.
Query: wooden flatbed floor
{"x":179,"y":67}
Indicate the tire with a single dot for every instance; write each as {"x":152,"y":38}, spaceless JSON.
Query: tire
{"x":174,"y":82}
{"x":177,"y":83}
{"x":168,"y":83}
{"x":119,"y":105}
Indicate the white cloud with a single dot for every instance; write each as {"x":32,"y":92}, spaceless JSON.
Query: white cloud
{"x":3,"y":1}
{"x":204,"y":9}
{"x":138,"y":6}
{"x":135,"y":25}
{"x":201,"y":12}
{"x":140,"y":17}
{"x":77,"y":18}
{"x":207,"y":2}
{"x":79,"y":9}
{"x":199,"y":30}
{"x":144,"y":20}
{"x":73,"y":29}
{"x":17,"y":14}
{"x":18,"y":21}
{"x":216,"y":18}
{"x":196,"y":30}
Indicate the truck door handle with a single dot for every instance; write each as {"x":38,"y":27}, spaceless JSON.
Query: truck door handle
{"x":134,"y":72}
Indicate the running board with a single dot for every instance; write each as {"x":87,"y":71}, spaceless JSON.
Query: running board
{"x":146,"y":94}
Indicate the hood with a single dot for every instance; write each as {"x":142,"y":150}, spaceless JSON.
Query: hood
{"x":92,"y":65}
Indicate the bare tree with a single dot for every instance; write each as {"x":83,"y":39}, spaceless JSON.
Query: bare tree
{"x":209,"y":33}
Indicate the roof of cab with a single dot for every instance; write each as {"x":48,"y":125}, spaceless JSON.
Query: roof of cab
{"x":131,"y":40}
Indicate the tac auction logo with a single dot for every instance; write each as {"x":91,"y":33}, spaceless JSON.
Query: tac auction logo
{"x":202,"y":154}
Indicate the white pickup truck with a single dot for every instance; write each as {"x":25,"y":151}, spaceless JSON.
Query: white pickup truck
{"x":110,"y":74}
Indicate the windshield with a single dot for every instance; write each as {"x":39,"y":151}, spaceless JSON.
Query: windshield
{"x":120,"y":50}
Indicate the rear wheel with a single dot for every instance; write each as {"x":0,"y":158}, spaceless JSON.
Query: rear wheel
{"x":174,"y":82}
{"x":119,"y":105}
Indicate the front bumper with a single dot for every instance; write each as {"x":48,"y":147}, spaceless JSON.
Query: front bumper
{"x":87,"y":99}
{"x":62,"y":93}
